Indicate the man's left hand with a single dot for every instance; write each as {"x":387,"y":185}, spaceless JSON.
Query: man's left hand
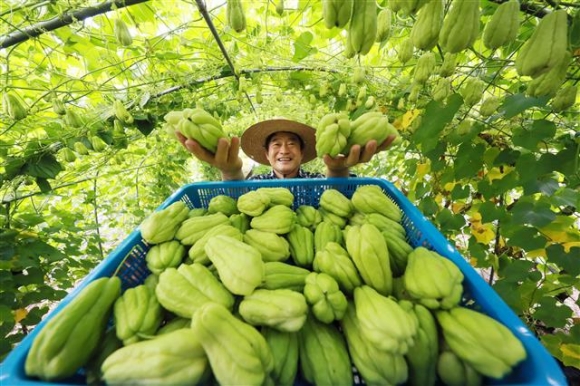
{"x":339,"y":166}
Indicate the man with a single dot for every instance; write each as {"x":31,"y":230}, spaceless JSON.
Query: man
{"x":284,"y":145}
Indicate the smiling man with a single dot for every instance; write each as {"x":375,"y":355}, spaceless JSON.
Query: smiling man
{"x":283,"y":144}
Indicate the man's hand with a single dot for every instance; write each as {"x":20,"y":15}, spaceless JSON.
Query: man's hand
{"x":339,"y":166}
{"x":386,"y":143}
{"x":226,"y":157}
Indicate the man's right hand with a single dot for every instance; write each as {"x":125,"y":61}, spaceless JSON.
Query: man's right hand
{"x":226,"y":158}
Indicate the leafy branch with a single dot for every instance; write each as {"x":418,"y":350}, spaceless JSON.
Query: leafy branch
{"x":21,"y":197}
{"x":248,"y":71}
{"x":38,"y":29}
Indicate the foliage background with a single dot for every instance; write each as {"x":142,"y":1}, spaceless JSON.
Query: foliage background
{"x":504,"y":190}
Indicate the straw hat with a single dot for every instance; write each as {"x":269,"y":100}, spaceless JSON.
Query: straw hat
{"x":253,"y":140}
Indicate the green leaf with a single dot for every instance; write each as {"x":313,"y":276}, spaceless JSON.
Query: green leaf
{"x":63,"y":33}
{"x":459,"y":192}
{"x":34,"y":316}
{"x":144,"y":123}
{"x":490,"y":155}
{"x":545,"y":184}
{"x":551,"y":313}
{"x":491,"y":212}
{"x":302,"y":47}
{"x":30,"y":276}
{"x":497,"y":187}
{"x":434,"y":120}
{"x":469,"y":160}
{"x":35,"y":248}
{"x":448,"y":221}
{"x":516,"y":270}
{"x":436,"y":156}
{"x":573,"y":334}
{"x":507,"y":157}
{"x":526,"y":238}
{"x":553,"y":342}
{"x":565,"y":349}
{"x":447,"y":176}
{"x":5,"y":314}
{"x":13,"y":167}
{"x":428,"y":206}
{"x":517,"y":103}
{"x":478,"y":251}
{"x":7,"y":251}
{"x":26,"y":220}
{"x":535,"y":276}
{"x":422,"y":190}
{"x":574,"y":32}
{"x":537,"y":213}
{"x":43,"y":185}
{"x":530,"y":138}
{"x":11,"y":339}
{"x":54,"y":129}
{"x":43,"y":292}
{"x":459,"y":134}
{"x":143,"y":13}
{"x":530,"y":170}
{"x":6,"y":279}
{"x":509,"y":291}
{"x":8,"y":299}
{"x":45,"y":167}
{"x":568,"y":261}
{"x":566,"y":197}
{"x":565,"y":161}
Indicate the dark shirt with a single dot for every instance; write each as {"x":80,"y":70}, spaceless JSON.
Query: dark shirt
{"x":273,"y":176}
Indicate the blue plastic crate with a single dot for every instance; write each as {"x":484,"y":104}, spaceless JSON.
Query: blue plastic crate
{"x":128,"y":262}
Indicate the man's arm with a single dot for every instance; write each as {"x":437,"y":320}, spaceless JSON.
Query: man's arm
{"x":226,"y":158}
{"x":340,"y":165}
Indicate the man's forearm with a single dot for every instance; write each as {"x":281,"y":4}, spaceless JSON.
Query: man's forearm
{"x":337,"y":172}
{"x":233,"y":176}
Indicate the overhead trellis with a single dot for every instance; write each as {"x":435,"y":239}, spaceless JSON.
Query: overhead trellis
{"x":186,"y":61}
{"x":74,"y":17}
{"x":194,"y":57}
{"x":20,"y":35}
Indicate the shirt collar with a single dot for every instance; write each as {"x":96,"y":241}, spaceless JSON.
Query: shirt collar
{"x":301,"y":174}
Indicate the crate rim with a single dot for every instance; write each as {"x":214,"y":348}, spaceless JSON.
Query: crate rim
{"x":552,"y":374}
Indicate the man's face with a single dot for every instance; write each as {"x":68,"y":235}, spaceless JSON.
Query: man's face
{"x":284,"y":153}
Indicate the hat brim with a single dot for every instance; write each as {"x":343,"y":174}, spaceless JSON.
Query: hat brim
{"x":253,"y":139}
